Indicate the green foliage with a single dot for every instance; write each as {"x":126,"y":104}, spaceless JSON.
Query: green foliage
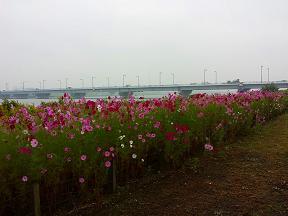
{"x":270,"y":87}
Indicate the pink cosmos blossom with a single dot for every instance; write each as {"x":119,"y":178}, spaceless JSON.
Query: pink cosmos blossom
{"x":141,"y":115}
{"x":107,"y":164}
{"x":107,"y":154}
{"x":34,"y":143}
{"x":49,"y":156}
{"x":157,"y":124}
{"x":98,"y":149}
{"x":83,"y":157}
{"x":111,"y":149}
{"x":24,"y":178}
{"x":67,"y":149}
{"x":140,"y":136}
{"x":81,"y":180}
{"x":208,"y":147}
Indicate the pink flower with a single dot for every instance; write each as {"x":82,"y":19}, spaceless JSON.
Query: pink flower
{"x":71,"y":136}
{"x":83,"y":157}
{"x":157,"y":124}
{"x":141,"y":115}
{"x":107,"y":154}
{"x":208,"y":147}
{"x":107,"y":164}
{"x":49,"y":156}
{"x":98,"y":149}
{"x":67,"y":149}
{"x":81,"y":180}
{"x":139,"y":136}
{"x":24,"y":178}
{"x":34,"y":143}
{"x":111,"y":149}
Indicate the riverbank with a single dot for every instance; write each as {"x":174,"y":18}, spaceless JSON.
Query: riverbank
{"x":249,"y":177}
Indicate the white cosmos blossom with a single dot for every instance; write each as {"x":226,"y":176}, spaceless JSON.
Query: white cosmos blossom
{"x":131,"y":142}
{"x":134,"y":156}
{"x":122,"y":145}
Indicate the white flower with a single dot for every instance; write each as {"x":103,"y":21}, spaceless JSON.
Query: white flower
{"x":131,"y":142}
{"x":131,"y":146}
{"x":122,"y":145}
{"x":142,"y":160}
{"x":82,"y":132}
{"x":134,"y":156}
{"x":25,"y":132}
{"x":99,"y":108}
{"x":122,"y":137}
{"x":172,"y":123}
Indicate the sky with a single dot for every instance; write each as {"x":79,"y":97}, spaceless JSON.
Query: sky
{"x":76,"y":39}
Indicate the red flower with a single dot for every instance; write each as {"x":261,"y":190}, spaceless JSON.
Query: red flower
{"x":170,"y":136}
{"x":25,"y":150}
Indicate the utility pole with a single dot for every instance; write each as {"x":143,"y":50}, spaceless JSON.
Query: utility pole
{"x":205,"y":70}
{"x":23,"y":85}
{"x":108,"y":82}
{"x":92,"y":78}
{"x":6,"y":86}
{"x":173,"y":78}
{"x":268,"y":74}
{"x":261,"y":73}
{"x":60,"y":84}
{"x":43,"y":84}
{"x":216,"y":77}
{"x":40,"y":85}
{"x":138,"y":79}
{"x":160,"y":74}
{"x":82,"y":83}
{"x":123,"y":79}
{"x":66,"y":83}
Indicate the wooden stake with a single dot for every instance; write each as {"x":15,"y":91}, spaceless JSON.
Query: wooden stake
{"x":114,"y":175}
{"x":37,"y":207}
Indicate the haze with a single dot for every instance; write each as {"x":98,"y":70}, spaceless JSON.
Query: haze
{"x":57,"y":39}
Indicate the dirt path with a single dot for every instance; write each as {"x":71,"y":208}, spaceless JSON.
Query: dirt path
{"x":249,"y":177}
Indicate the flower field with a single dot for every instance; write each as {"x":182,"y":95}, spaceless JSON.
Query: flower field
{"x":84,"y":147}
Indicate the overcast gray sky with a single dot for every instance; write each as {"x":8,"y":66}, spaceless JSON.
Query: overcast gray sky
{"x":77,"y":39}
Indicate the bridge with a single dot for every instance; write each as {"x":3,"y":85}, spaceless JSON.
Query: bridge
{"x":184,"y":90}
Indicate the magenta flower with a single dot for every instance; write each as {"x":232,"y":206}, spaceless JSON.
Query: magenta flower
{"x":208,"y":147}
{"x":83,"y":157}
{"x":24,"y":178}
{"x":107,"y":164}
{"x":34,"y":143}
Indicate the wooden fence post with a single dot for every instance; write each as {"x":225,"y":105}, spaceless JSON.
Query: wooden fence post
{"x":114,"y":175}
{"x":36,"y":192}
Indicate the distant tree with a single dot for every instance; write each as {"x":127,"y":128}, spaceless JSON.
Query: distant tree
{"x":270,"y":87}
{"x":236,"y":81}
